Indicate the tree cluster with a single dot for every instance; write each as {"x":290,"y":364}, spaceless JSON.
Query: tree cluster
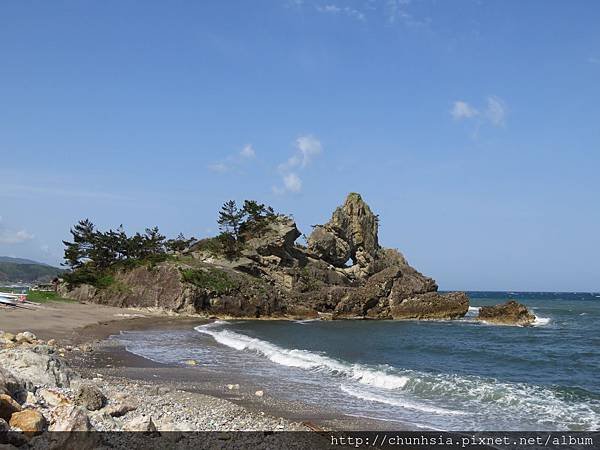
{"x":234,"y":222}
{"x":101,"y":249}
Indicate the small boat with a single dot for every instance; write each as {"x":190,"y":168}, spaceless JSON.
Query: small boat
{"x":7,"y":301}
{"x":12,"y":299}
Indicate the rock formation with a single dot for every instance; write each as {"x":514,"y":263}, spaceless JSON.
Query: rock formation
{"x":351,"y":234}
{"x":342,"y":273}
{"x":509,"y":313}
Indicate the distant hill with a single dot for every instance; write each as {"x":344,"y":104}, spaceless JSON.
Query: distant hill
{"x":26,"y":270}
{"x":10,"y":259}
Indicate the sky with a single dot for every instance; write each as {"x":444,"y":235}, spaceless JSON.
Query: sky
{"x":471,"y":127}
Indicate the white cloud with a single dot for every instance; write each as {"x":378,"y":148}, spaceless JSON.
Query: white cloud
{"x":307,"y":148}
{"x":233,"y":161}
{"x":593,"y":60}
{"x":496,"y":111}
{"x":292,"y":182}
{"x":14,"y":237}
{"x":248,"y":152}
{"x":462,"y":110}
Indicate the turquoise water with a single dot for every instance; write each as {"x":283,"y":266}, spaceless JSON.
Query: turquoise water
{"x":451,"y":375}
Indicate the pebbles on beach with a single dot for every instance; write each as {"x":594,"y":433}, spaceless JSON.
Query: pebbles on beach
{"x":58,"y":398}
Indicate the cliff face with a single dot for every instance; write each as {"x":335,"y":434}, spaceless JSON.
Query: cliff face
{"x":343,"y":273}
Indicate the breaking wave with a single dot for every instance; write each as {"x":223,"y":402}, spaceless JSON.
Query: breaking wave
{"x":433,"y":394}
{"x":302,"y":358}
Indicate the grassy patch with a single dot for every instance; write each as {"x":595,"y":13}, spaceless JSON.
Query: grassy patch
{"x":212,"y":279}
{"x":45,"y":297}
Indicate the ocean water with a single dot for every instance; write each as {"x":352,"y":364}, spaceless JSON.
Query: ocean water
{"x":443,"y":375}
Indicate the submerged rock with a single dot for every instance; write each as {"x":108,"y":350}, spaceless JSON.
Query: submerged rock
{"x":509,"y":313}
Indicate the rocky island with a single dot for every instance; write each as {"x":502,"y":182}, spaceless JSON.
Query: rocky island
{"x":509,"y":313}
{"x":342,"y":273}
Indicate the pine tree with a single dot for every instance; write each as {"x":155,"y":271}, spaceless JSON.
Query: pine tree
{"x":230,"y":219}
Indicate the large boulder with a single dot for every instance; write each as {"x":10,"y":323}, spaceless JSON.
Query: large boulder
{"x":30,"y":421}
{"x":90,"y":397}
{"x":141,"y":424}
{"x":272,"y":236}
{"x":11,"y":386}
{"x":8,"y":406}
{"x":70,"y":418}
{"x":509,"y":313}
{"x":37,"y":366}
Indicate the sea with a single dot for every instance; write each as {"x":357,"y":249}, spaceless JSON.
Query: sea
{"x":438,"y":375}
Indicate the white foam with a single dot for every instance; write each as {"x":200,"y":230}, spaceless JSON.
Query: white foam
{"x":304,"y":359}
{"x":397,"y":401}
{"x":420,"y":391}
{"x":306,"y":321}
{"x":541,"y":321}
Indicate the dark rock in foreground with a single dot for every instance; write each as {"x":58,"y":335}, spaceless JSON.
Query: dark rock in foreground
{"x":274,"y":277}
{"x":509,"y":313}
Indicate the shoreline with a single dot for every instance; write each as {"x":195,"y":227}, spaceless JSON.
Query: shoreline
{"x":114,"y":362}
{"x":111,"y":367}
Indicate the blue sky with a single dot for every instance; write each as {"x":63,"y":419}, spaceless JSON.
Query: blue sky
{"x":471,"y":127}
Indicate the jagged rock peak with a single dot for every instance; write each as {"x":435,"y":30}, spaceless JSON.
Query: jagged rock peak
{"x":351,"y":233}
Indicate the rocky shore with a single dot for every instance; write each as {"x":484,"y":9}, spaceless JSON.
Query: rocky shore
{"x":342,"y":273}
{"x":39,"y":392}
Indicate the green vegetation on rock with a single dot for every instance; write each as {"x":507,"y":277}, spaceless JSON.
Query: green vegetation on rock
{"x":212,"y":279}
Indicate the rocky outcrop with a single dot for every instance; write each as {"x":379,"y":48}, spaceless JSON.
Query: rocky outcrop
{"x":343,"y":273}
{"x":509,"y":313}
{"x":350,"y":234}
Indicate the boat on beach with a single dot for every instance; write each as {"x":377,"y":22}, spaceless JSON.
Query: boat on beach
{"x":15,"y":300}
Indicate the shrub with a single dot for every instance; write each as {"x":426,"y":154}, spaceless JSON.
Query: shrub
{"x":212,"y":279}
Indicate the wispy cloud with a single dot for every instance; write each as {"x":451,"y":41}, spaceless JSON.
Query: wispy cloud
{"x":593,"y":60}
{"x":396,"y":11}
{"x":292,"y":182}
{"x":341,"y":10}
{"x":233,"y":161}
{"x":9,"y":236}
{"x":462,"y":110}
{"x":248,"y":151}
{"x":391,"y":12}
{"x":307,"y":148}
{"x":494,"y":112}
